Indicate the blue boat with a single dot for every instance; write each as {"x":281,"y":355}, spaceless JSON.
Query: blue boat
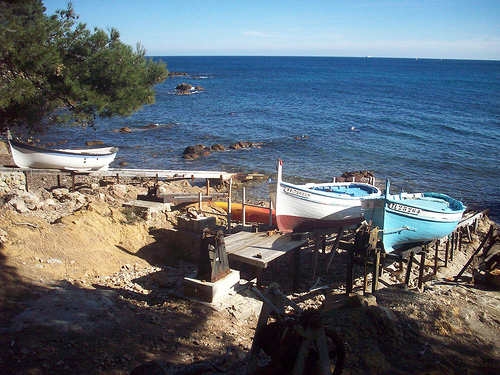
{"x":411,"y":218}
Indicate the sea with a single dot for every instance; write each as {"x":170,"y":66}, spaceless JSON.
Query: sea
{"x":424,"y":124}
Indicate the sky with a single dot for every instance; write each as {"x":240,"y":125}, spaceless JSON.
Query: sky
{"x":450,"y":29}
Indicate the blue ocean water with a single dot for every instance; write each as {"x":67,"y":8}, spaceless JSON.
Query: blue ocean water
{"x":428,"y":125}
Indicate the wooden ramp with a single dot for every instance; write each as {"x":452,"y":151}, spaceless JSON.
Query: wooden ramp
{"x":125,"y":172}
{"x":164,"y":173}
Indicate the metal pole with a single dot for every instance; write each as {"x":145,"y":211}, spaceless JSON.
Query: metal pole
{"x":243,"y":210}
{"x":229,"y":214}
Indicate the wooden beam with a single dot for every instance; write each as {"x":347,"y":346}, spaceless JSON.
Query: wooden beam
{"x":490,"y":233}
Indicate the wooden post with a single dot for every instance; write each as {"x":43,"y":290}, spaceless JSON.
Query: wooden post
{"x":408,"y":268}
{"x":365,"y":275}
{"x":72,"y":181}
{"x":459,"y":239}
{"x":467,"y":230}
{"x":258,"y":276}
{"x":58,"y":180}
{"x":200,"y":201}
{"x":118,"y":178}
{"x":376,"y":270}
{"x":452,"y":246}
{"x":447,"y":252}
{"x":315,"y":253}
{"x":296,"y":269}
{"x":208,"y":187}
{"x":490,"y":233}
{"x":349,"y":270}
{"x":436,"y":258}
{"x":243,"y":208}
{"x":334,"y":247}
{"x":421,"y":270}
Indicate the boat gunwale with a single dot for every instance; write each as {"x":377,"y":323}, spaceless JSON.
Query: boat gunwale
{"x":447,"y":219}
{"x":450,"y":210}
{"x":343,"y":196}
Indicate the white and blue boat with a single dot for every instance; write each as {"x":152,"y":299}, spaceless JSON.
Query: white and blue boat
{"x":301,"y":208}
{"x":411,"y":218}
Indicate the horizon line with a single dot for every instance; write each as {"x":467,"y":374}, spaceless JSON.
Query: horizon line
{"x":330,"y":56}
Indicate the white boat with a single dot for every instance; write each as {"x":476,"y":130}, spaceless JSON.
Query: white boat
{"x":318,"y":205}
{"x":410,"y":218}
{"x":28,"y":156}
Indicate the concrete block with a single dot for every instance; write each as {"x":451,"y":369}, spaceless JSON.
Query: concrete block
{"x":210,"y":292}
{"x":187,"y":244}
{"x":196,"y":225}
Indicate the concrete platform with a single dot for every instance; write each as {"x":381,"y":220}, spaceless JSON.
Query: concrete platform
{"x":210,"y":292}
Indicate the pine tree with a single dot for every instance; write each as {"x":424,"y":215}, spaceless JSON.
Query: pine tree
{"x":54,"y":70}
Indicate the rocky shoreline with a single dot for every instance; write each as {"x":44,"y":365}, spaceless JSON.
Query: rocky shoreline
{"x":90,"y":286}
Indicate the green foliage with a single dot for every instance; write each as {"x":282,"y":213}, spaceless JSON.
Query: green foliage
{"x":55,"y":70}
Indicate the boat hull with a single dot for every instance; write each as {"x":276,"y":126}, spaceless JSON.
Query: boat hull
{"x":252,"y":214}
{"x":318,"y":206}
{"x":27,"y":156}
{"x":412,"y":218}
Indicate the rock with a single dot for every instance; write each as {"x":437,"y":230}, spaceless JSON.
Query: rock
{"x":360,"y":176}
{"x":177,"y":74}
{"x":60,"y":194}
{"x":77,"y":197}
{"x":3,"y":236}
{"x":125,"y":130}
{"x":244,"y":145}
{"x":54,"y":261}
{"x":163,"y":279}
{"x":30,"y":199}
{"x":150,"y":126}
{"x":118,"y":191}
{"x":123,"y":164}
{"x":49,"y":202}
{"x":383,"y":313}
{"x":19,"y":205}
{"x":94,"y":143}
{"x":183,"y":87}
{"x":199,"y":88}
{"x":194,"y":152}
{"x":218,"y":147}
{"x":43,"y":193}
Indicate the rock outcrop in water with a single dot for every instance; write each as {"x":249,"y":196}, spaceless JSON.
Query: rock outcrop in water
{"x":194,"y":152}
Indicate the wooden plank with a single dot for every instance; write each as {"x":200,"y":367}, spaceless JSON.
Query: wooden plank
{"x":259,"y":249}
{"x":239,"y":240}
{"x":471,"y":218}
{"x":256,"y":256}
